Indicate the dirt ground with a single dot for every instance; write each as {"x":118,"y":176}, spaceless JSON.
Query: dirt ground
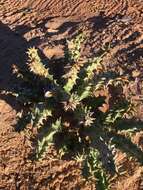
{"x":46,"y":24}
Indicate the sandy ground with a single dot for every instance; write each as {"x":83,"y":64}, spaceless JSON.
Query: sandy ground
{"x":46,"y":24}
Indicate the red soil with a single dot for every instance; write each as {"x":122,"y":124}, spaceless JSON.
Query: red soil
{"x":46,"y":24}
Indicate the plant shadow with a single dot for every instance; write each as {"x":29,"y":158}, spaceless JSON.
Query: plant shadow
{"x":13,"y":48}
